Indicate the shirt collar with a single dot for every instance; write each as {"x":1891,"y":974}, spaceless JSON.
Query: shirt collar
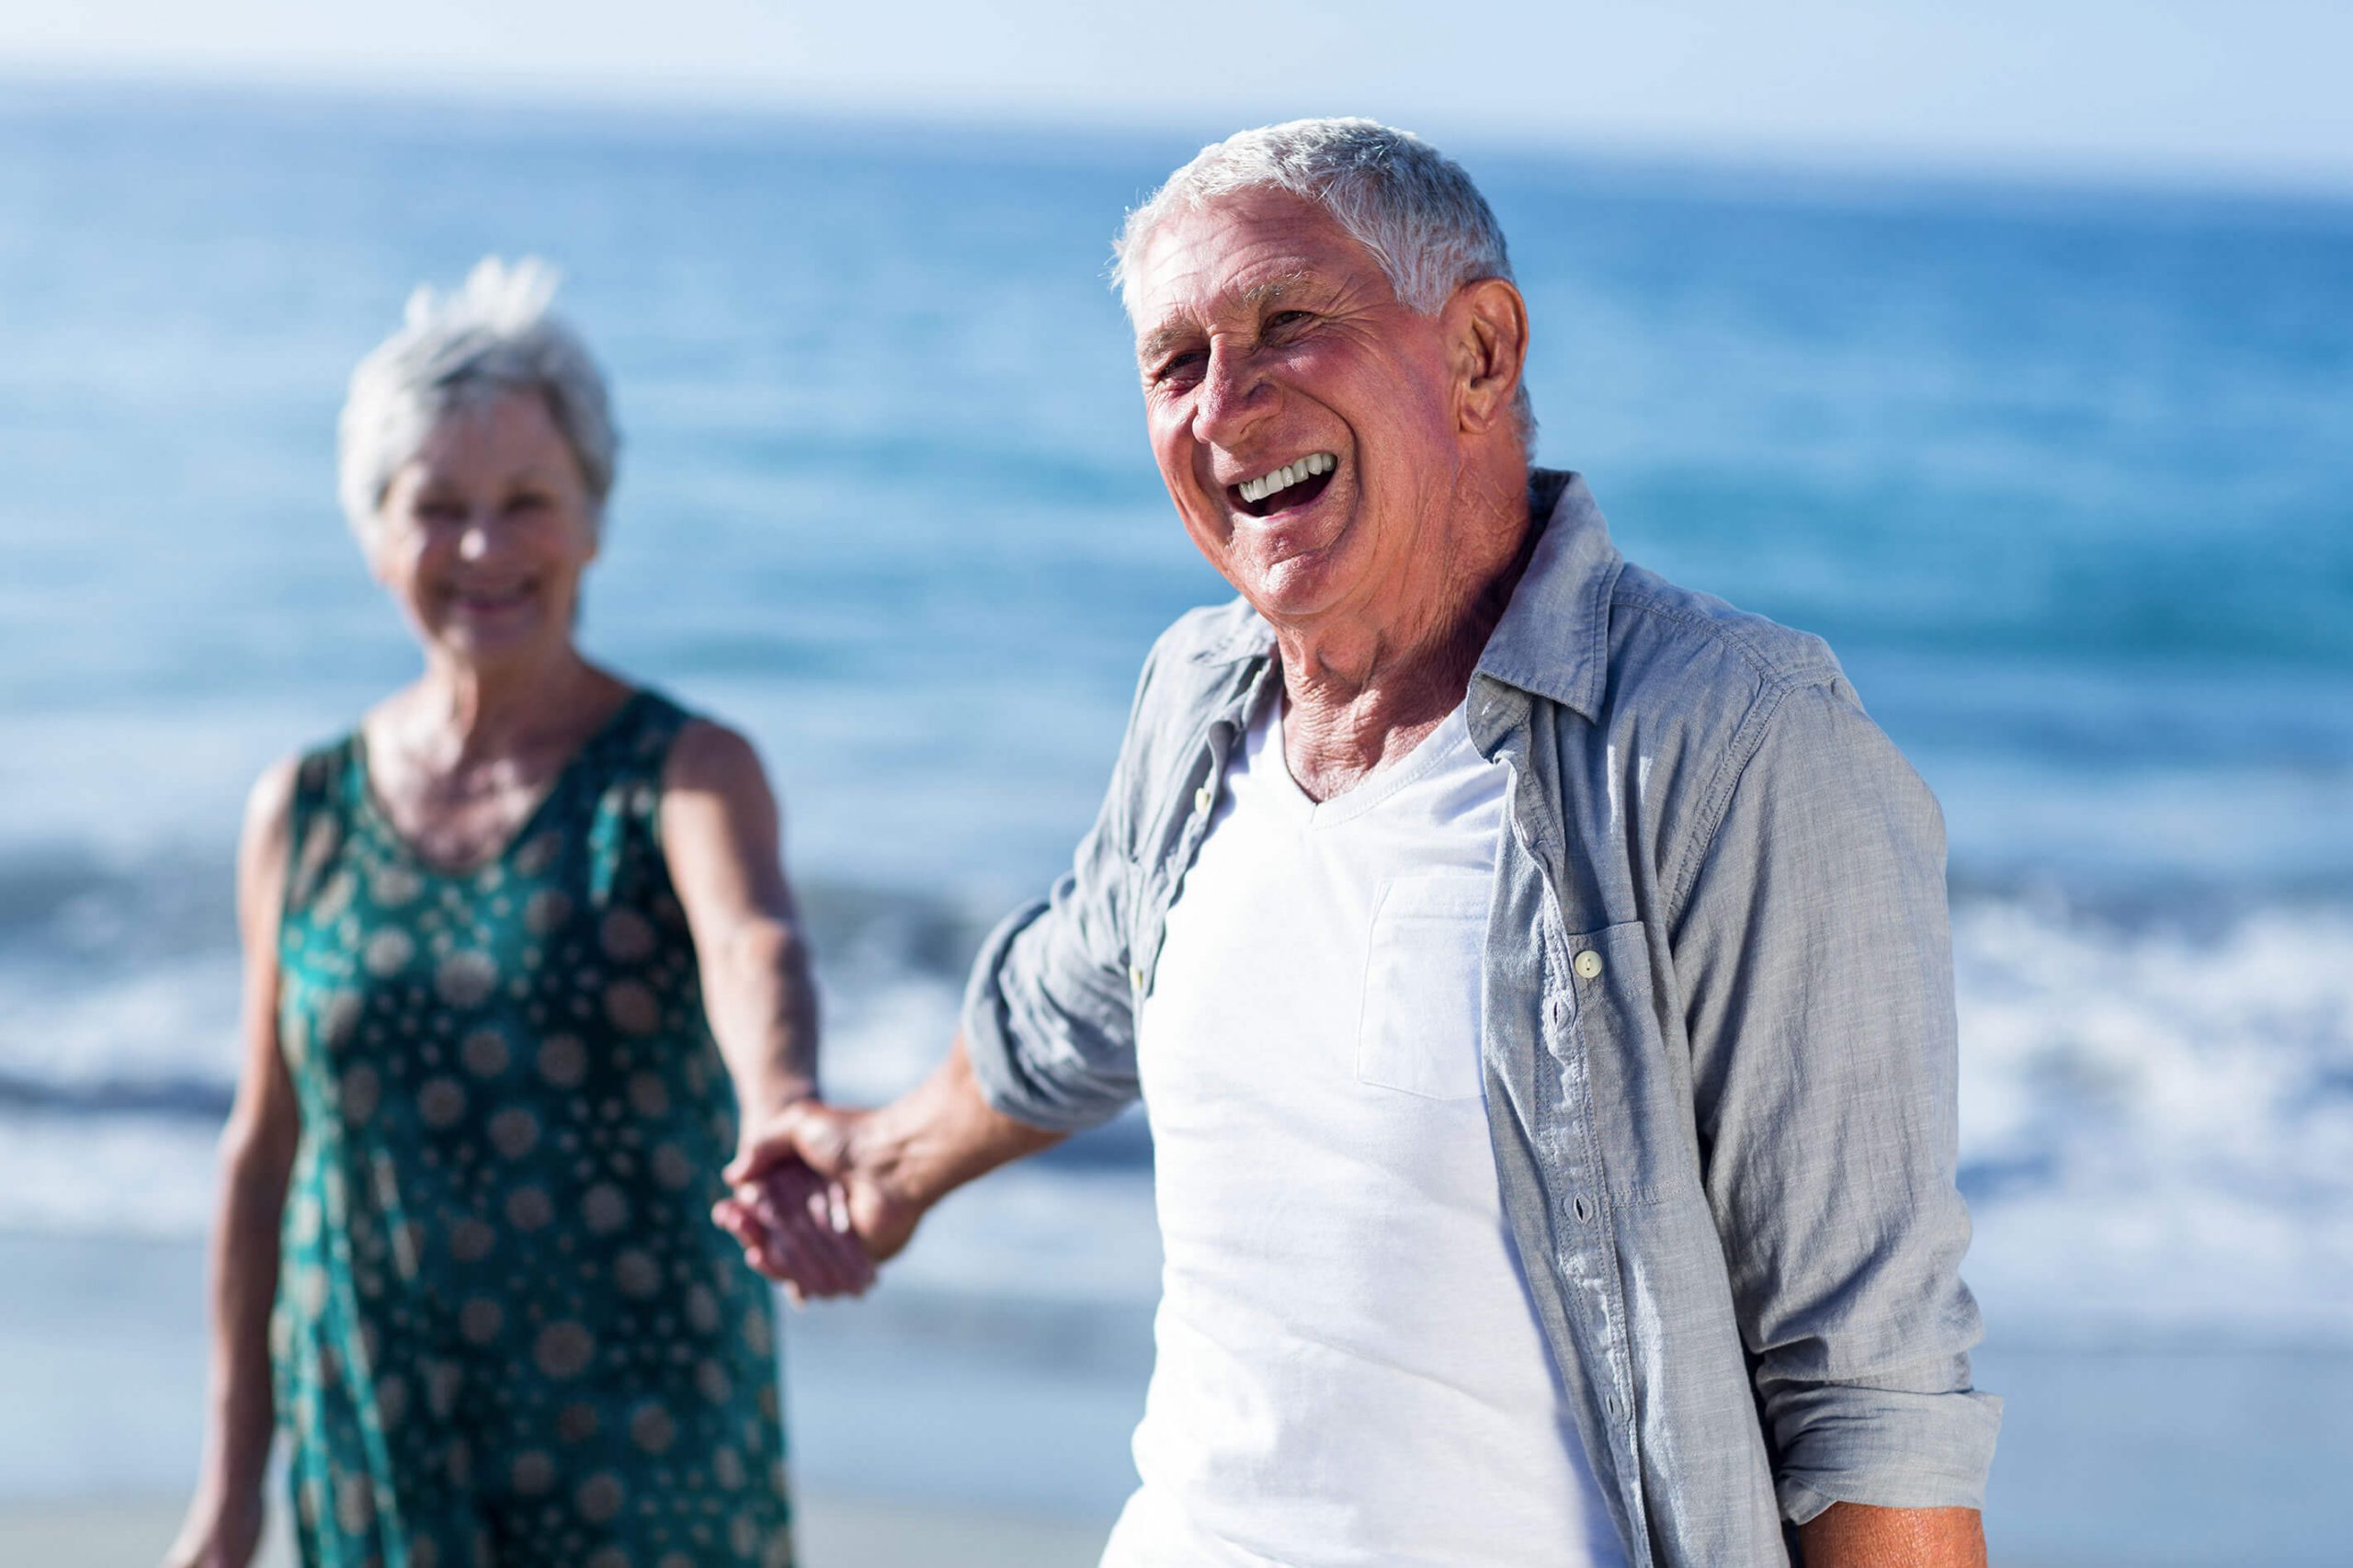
{"x":1553,"y":639}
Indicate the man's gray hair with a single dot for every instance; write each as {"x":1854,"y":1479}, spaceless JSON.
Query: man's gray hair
{"x":494,"y":335}
{"x":1409,"y":204}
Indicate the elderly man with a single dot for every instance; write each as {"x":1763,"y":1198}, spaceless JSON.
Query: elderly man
{"x":1536,"y":973}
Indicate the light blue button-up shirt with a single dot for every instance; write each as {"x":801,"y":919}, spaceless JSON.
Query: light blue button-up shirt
{"x":1718,"y":1039}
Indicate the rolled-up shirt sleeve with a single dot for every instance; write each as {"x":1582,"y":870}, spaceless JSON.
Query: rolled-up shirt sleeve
{"x":1049,"y":1017}
{"x":1815,"y":958}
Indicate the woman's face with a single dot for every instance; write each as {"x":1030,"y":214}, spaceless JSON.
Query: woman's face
{"x":482,"y":537}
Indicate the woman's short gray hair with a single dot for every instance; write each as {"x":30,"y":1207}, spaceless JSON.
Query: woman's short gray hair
{"x":494,"y":335}
{"x":1409,"y":204}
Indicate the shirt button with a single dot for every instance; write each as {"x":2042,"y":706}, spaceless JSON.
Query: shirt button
{"x":1202,"y":799}
{"x":1588,"y":965}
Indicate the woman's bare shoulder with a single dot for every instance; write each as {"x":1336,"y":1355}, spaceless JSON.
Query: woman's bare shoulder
{"x":712,"y":756}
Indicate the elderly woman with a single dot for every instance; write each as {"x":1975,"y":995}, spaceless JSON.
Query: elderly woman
{"x":521,"y":959}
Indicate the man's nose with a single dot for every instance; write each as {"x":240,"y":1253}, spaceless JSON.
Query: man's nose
{"x":473,"y":541}
{"x":1236,"y":394}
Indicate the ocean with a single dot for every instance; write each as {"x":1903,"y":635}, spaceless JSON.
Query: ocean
{"x":2064,"y":473}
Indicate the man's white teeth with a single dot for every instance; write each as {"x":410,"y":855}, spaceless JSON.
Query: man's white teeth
{"x":1291,"y":474}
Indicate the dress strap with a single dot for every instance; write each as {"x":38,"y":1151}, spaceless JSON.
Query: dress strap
{"x":318,"y":816}
{"x":620,"y":784}
{"x":638,"y":748}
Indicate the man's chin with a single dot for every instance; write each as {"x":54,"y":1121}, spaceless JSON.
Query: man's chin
{"x":1294,"y":590}
{"x":1286,"y":576}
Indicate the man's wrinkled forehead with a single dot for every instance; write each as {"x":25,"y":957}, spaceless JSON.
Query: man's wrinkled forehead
{"x":1237,"y":258}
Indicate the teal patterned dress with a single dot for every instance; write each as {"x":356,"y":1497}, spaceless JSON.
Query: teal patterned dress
{"x":507,"y":1331}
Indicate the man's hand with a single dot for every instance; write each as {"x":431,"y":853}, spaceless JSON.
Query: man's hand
{"x":793,"y":1224}
{"x":813,"y":1205}
{"x":884,"y":1168}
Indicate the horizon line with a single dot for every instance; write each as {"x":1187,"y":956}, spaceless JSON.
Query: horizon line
{"x":719,"y":102}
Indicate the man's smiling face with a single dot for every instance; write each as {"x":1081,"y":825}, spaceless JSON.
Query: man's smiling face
{"x":1304,"y":417}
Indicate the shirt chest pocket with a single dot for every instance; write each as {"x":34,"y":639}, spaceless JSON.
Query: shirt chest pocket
{"x":1419,"y":1029}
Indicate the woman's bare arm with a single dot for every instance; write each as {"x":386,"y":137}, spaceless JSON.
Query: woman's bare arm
{"x":223,"y":1522}
{"x":720,"y":836}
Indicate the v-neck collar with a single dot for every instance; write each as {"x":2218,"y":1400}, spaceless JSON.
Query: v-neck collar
{"x":373,"y":811}
{"x":1453,"y":731}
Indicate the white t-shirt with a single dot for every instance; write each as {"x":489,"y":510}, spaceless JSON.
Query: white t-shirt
{"x":1350,"y":1370}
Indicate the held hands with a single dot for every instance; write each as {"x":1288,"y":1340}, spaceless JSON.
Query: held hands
{"x":812,"y":1206}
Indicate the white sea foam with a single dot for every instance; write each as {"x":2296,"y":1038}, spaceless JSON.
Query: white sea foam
{"x":171,"y":1023}
{"x":136,"y":1176}
{"x":2160,"y":1123}
{"x":2157,"y":1118}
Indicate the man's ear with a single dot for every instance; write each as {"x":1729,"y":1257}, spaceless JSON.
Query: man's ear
{"x":1486,"y":327}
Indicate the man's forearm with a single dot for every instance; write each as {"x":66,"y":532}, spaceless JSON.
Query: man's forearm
{"x":1850,"y":1535}
{"x":943,"y":1133}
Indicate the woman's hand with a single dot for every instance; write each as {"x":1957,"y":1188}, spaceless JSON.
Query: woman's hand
{"x":889,"y":1165}
{"x":793,"y":1224}
{"x":222,"y":1530}
{"x":812,"y":1155}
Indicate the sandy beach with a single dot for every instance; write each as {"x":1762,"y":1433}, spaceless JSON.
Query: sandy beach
{"x":929,"y":1429}
{"x":905,"y":1452}
{"x":834,"y":1532}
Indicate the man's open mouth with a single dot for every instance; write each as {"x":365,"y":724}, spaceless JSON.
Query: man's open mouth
{"x":1294,"y":484}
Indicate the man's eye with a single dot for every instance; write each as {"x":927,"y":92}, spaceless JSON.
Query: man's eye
{"x":1180,"y":367}
{"x":1285,"y":321}
{"x":439,"y":511}
{"x":527,"y":502}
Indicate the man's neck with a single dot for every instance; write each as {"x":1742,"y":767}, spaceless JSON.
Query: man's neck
{"x":1363,"y":697}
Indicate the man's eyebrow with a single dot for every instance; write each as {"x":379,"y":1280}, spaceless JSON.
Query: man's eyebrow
{"x":1160,"y":340}
{"x":1275,"y":289}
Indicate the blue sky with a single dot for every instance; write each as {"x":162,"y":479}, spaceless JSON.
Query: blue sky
{"x":2247,"y":92}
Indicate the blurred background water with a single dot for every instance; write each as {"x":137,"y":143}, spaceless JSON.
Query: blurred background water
{"x":2064,"y":473}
